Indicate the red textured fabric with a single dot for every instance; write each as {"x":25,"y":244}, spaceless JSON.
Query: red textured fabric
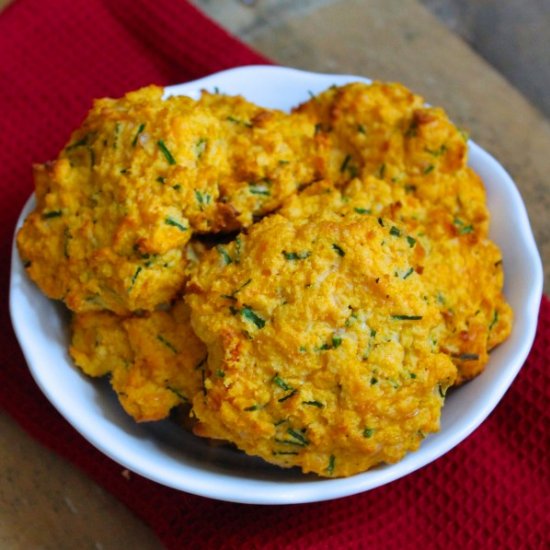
{"x":489,"y":492}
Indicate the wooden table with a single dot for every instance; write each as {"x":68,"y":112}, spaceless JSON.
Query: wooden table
{"x":47,"y":503}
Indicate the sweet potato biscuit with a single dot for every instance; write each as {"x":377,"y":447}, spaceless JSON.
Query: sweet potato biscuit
{"x":321,"y":344}
{"x":153,"y":361}
{"x":461,"y":269}
{"x":117,"y":207}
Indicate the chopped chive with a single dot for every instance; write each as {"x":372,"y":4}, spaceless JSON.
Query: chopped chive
{"x":161,"y":179}
{"x":409,"y":272}
{"x":361,"y":129}
{"x":79,"y":143}
{"x":411,"y":241}
{"x":202,"y":198}
{"x":406,"y":317}
{"x":428,"y":169}
{"x":373,"y":381}
{"x":330,"y":467}
{"x":409,"y":188}
{"x":466,"y":356}
{"x":178,"y":393}
{"x":281,"y":383}
{"x":339,"y":250}
{"x":380,"y":222}
{"x":252,"y":408}
{"x":174,"y":223}
{"x":134,"y":277}
{"x":344,"y":165}
{"x":237,"y":121}
{"x":298,"y":436}
{"x":462,"y":229}
{"x":395,"y":231}
{"x":296,"y":255}
{"x":363,"y":210}
{"x":288,"y":396}
{"x":436,"y":152}
{"x":259,"y":190}
{"x":238,"y":248}
{"x":167,"y":343}
{"x":200,"y":147}
{"x":220,"y":373}
{"x":313,"y":404}
{"x":441,"y":391}
{"x":253,"y":317}
{"x":336,"y":342}
{"x":368,"y":432}
{"x":162,"y":146}
{"x":381,"y":171}
{"x":224,"y":255}
{"x":117,"y":131}
{"x":52,"y":214}
{"x":494,"y":320}
{"x":139,"y":130}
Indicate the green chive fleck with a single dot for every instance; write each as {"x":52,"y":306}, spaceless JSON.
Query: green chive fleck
{"x":253,"y":317}
{"x":344,"y":165}
{"x":288,"y":396}
{"x":466,"y":356}
{"x":363,"y":210}
{"x":296,"y":255}
{"x":299,"y":437}
{"x":339,"y":250}
{"x":162,"y":146}
{"x":330,"y":467}
{"x":174,"y":223}
{"x":139,"y":130}
{"x":395,"y":231}
{"x":462,"y":229}
{"x":52,"y":214}
{"x":368,"y":432}
{"x":226,"y":258}
{"x":281,"y":383}
{"x":134,"y":277}
{"x":406,"y":317}
{"x":167,"y":343}
{"x":411,"y":241}
{"x":200,"y":147}
{"x":313,"y":404}
{"x":428,"y":169}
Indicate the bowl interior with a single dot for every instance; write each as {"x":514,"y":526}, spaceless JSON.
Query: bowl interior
{"x":165,"y":453}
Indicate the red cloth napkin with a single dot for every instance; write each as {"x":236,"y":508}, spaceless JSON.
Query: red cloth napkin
{"x":491,"y":491}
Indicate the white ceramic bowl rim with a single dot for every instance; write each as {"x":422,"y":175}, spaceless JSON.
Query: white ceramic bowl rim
{"x":164,"y":453}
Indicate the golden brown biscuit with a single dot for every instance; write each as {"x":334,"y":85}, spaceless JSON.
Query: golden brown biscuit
{"x":461,"y":269}
{"x":116,"y":209}
{"x":154,"y":362}
{"x":321,"y":343}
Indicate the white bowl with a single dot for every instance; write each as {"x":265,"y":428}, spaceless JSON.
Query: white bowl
{"x":165,"y":453}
